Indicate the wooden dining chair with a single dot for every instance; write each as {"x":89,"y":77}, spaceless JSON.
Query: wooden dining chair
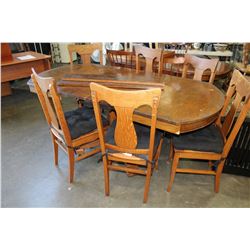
{"x":120,"y":58}
{"x":85,"y":51}
{"x":152,"y":57}
{"x":128,"y":147}
{"x":74,"y":131}
{"x":200,"y":65}
{"x":213,"y":142}
{"x":173,"y":65}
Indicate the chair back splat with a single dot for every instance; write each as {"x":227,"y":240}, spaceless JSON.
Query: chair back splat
{"x":200,"y":65}
{"x":124,"y":144}
{"x":85,"y":51}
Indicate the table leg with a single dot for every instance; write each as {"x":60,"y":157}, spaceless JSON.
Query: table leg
{"x":5,"y":89}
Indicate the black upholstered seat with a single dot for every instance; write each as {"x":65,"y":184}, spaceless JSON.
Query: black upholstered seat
{"x":89,"y":104}
{"x":82,"y":121}
{"x":208,"y":139}
{"x":143,"y":136}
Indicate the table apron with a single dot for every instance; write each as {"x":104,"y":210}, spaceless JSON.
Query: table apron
{"x":176,"y":128}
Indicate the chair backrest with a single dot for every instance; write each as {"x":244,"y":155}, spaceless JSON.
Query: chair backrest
{"x":237,"y":98}
{"x":121,"y":58}
{"x":124,"y":103}
{"x":151,"y":56}
{"x":173,"y":65}
{"x":200,"y":65}
{"x":51,"y":105}
{"x":85,"y":51}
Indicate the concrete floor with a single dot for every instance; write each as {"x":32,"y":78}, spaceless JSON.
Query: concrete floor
{"x":29,"y":178}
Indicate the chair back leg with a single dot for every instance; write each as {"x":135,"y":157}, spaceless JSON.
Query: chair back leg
{"x":173,"y":171}
{"x":106,"y":175}
{"x":147,"y":183}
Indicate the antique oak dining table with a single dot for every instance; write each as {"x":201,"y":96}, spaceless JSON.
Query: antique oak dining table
{"x":185,"y":104}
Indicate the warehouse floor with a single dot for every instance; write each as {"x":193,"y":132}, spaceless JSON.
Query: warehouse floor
{"x":29,"y":178}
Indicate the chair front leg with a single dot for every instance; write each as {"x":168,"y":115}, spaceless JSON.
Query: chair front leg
{"x":218,"y":175}
{"x":173,"y":171}
{"x":71,"y":160}
{"x":147,"y":183}
{"x":106,"y":175}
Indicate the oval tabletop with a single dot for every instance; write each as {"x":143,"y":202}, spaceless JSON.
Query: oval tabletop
{"x":185,"y":104}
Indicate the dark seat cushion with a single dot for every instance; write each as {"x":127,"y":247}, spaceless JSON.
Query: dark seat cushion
{"x":89,"y":104}
{"x":143,"y":136}
{"x":208,"y":139}
{"x":82,"y":121}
